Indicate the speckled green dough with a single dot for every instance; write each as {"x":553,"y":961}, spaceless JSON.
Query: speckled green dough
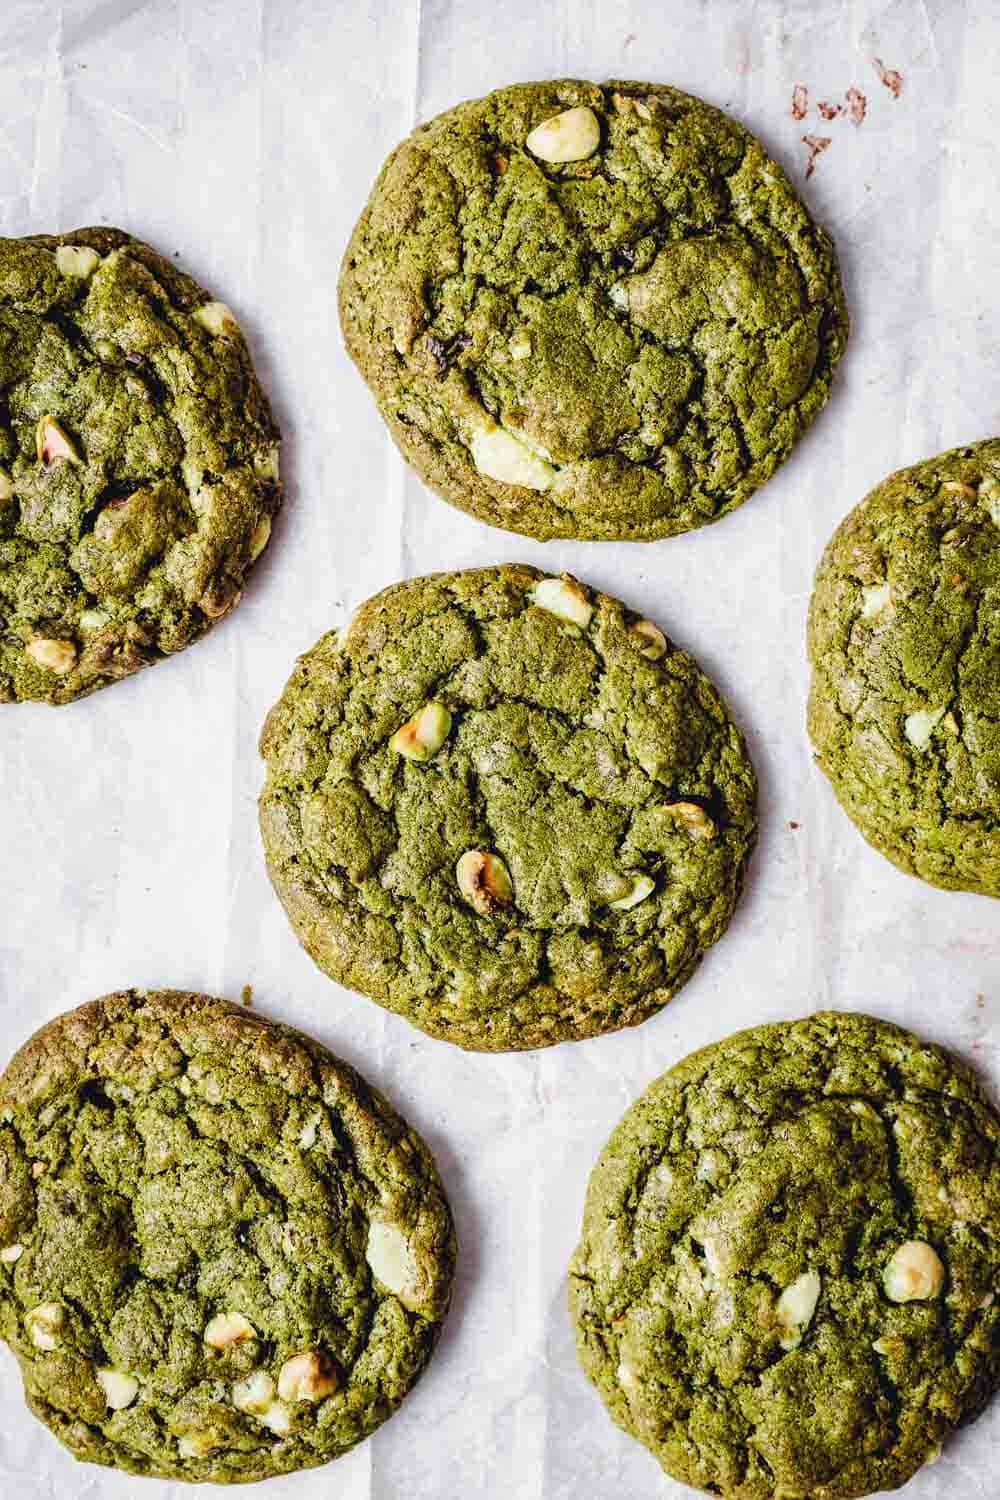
{"x":168,"y":1161}
{"x":130,"y":543}
{"x":904,"y":640}
{"x":580,"y":763}
{"x":656,"y":324}
{"x":812,"y":1149}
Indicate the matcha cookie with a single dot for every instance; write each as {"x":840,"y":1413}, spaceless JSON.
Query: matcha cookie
{"x":138,"y":462}
{"x":791,"y":1245}
{"x":223,"y":1256}
{"x":904,"y":640}
{"x":504,"y":806}
{"x":591,"y":311}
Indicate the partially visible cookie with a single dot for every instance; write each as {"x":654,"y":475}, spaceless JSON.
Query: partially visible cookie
{"x":594,"y":311}
{"x":904,"y":641}
{"x":506,"y":807}
{"x":222,"y":1256}
{"x":790,"y":1257}
{"x":138,"y":462}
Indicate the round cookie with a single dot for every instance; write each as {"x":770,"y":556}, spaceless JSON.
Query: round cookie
{"x":904,"y":636}
{"x":138,"y":462}
{"x":591,"y":311}
{"x":502,"y":805}
{"x":223,"y":1256}
{"x":791,"y":1245}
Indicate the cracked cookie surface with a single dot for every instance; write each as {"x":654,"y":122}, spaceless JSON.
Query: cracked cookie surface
{"x":222,"y":1256}
{"x":904,"y":640}
{"x":505,"y":807}
{"x":138,"y":462}
{"x":790,"y":1252}
{"x":591,"y":311}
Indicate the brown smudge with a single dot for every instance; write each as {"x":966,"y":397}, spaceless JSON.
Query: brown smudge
{"x":892,"y":80}
{"x":800,"y":101}
{"x":857,"y":104}
{"x":817,"y":144}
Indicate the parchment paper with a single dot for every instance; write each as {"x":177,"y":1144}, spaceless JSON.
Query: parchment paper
{"x":244,"y":137}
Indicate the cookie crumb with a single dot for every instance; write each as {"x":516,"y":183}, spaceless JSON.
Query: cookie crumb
{"x":857,"y":105}
{"x":890,"y":77}
{"x":246,"y":996}
{"x":817,"y":144}
{"x":800,"y":101}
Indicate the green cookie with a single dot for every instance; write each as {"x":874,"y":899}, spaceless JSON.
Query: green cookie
{"x":223,"y":1256}
{"x":502,"y":805}
{"x":904,"y":640}
{"x":138,"y":462}
{"x":791,"y":1247}
{"x":591,"y":311}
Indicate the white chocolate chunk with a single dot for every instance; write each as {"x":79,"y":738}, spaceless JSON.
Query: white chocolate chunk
{"x":307,"y":1377}
{"x":484,"y":881}
{"x":11,"y":1253}
{"x":228,"y":1328}
{"x":197,"y":1445}
{"x":53,"y":445}
{"x":120,"y":1390}
{"x":77,"y":260}
{"x":650,"y":639}
{"x":266,"y":465}
{"x":642,"y":886}
{"x":520,"y":345}
{"x":261,"y":537}
{"x":55,"y":656}
{"x":796,"y":1306}
{"x":565,"y":598}
{"x":421,"y":737}
{"x":874,"y":600}
{"x":393,"y":1263}
{"x":276,"y":1418}
{"x":572,"y":135}
{"x":216,"y":317}
{"x":6,"y":487}
{"x":919,"y":726}
{"x":498,"y":454}
{"x":914,"y":1274}
{"x":44,"y":1323}
{"x":255,"y":1393}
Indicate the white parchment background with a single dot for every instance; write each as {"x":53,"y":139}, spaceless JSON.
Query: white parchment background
{"x":244,"y":136}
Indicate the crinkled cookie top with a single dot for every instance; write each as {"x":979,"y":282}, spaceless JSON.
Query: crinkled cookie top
{"x":786,"y":1281}
{"x":506,"y":807}
{"x":222,"y":1256}
{"x":904,"y":640}
{"x":138,"y":462}
{"x":591,"y":312}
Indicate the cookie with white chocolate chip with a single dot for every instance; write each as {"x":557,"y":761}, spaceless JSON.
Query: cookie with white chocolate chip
{"x":138,"y":462}
{"x":224,"y":1257}
{"x":506,"y":807}
{"x":790,"y":1253}
{"x":591,"y":311}
{"x":904,"y":635}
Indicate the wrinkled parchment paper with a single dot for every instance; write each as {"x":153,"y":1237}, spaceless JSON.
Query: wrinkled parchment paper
{"x":243,"y":136}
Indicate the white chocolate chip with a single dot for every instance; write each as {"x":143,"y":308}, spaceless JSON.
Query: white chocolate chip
{"x":309,"y":1376}
{"x":228,"y":1328}
{"x":796,"y":1306}
{"x":11,"y":1253}
{"x":500,"y":455}
{"x":642,"y":886}
{"x":266,"y":465}
{"x":393,"y":1263}
{"x":572,"y":135}
{"x":255,"y":1393}
{"x":421,"y":737}
{"x":914,"y":1274}
{"x":53,"y":445}
{"x":520,"y":345}
{"x":276,"y":1418}
{"x":694,"y":819}
{"x":93,"y":619}
{"x":54,"y":656}
{"x":77,"y":260}
{"x":989,"y":493}
{"x":874,"y":600}
{"x":261,"y":537}
{"x":197,"y":1445}
{"x":484,"y":881}
{"x":650,"y":639}
{"x":627,"y":1378}
{"x":307,"y":1137}
{"x":919,"y":726}
{"x":44,"y":1323}
{"x":565,"y":598}
{"x":120,"y":1390}
{"x":216,"y":317}
{"x":6,"y":487}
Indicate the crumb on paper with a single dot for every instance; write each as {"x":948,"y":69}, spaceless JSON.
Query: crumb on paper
{"x":794,"y":825}
{"x":800,"y":101}
{"x":817,"y":144}
{"x":889,"y":76}
{"x":829,"y":111}
{"x":857,"y":105}
{"x":246,"y":995}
